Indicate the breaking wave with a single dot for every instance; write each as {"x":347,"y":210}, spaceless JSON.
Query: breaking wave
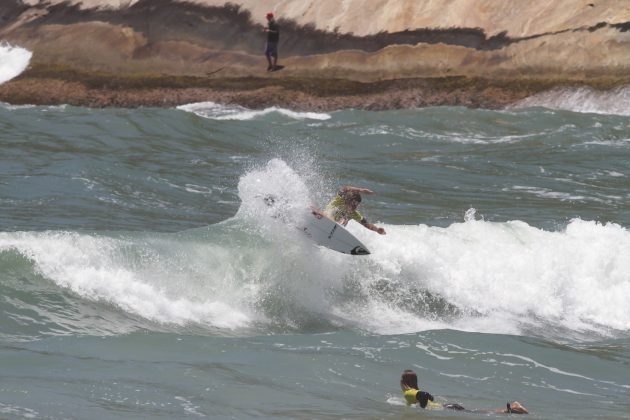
{"x":586,"y":100}
{"x":216,"y":111}
{"x":13,"y":61}
{"x":256,"y":272}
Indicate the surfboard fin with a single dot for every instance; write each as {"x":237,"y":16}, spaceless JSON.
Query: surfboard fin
{"x":359,"y":250}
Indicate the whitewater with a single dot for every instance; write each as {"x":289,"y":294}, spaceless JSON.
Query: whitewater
{"x":506,"y":277}
{"x":143,"y":275}
{"x":13,"y":61}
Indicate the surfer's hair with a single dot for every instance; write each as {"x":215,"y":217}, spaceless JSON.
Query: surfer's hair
{"x":352,"y":196}
{"x":410,"y":379}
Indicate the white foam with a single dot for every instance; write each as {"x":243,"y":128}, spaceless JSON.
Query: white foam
{"x":97,"y":268}
{"x":278,"y":181}
{"x":17,"y":411}
{"x":547,"y":193}
{"x":216,"y":111}
{"x":500,"y":277}
{"x":505,"y":275}
{"x":13,"y":61}
{"x":587,"y":100}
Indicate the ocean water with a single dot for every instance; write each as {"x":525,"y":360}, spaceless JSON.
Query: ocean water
{"x":141,"y":275}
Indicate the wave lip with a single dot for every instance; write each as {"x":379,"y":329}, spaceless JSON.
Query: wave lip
{"x":585,"y":100}
{"x":13,"y":61}
{"x":214,"y":111}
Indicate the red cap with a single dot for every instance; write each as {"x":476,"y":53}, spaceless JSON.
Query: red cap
{"x":269,"y":14}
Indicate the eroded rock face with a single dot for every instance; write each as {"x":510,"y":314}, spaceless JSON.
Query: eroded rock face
{"x":517,"y":18}
{"x":360,"y":39}
{"x":368,"y":17}
{"x":336,"y":53}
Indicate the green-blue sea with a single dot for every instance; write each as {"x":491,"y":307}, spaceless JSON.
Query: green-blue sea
{"x":142,"y":276}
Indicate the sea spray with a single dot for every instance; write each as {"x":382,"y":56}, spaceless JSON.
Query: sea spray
{"x":13,"y":61}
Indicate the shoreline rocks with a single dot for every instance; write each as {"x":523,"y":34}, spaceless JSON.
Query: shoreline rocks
{"x":91,"y":89}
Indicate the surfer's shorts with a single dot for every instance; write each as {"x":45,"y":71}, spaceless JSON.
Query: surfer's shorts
{"x":271,"y":48}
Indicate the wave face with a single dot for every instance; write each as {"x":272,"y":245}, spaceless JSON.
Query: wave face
{"x":586,"y":100}
{"x":13,"y":61}
{"x":256,"y":272}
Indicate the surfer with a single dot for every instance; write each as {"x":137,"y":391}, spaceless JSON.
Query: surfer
{"x":271,"y":48}
{"x":343,"y":208}
{"x":413,"y":395}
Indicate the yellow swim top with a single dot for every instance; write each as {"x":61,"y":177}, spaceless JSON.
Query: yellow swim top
{"x":337,"y":210}
{"x":411,"y":399}
{"x":410,"y":396}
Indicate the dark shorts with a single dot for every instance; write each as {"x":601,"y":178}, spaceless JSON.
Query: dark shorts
{"x":271,"y":48}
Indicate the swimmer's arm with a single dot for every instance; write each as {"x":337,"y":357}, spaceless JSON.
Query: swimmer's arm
{"x":424,"y":398}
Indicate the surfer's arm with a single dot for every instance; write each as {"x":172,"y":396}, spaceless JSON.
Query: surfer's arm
{"x":373,"y":227}
{"x":349,"y":188}
{"x":317,"y":212}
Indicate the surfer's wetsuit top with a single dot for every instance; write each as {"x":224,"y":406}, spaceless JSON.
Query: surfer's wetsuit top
{"x":274,"y":32}
{"x":273,"y":36}
{"x":337,"y":210}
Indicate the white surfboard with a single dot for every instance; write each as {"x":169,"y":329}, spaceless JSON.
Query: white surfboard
{"x":325,"y":232}
{"x":320,"y":229}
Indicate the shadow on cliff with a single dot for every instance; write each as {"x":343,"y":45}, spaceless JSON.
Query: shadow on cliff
{"x":231,"y":28}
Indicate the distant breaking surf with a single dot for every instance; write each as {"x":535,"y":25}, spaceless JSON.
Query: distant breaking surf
{"x":586,"y":100}
{"x":216,"y":111}
{"x":13,"y":61}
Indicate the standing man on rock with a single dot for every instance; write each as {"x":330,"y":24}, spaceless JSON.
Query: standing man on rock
{"x":273,"y":36}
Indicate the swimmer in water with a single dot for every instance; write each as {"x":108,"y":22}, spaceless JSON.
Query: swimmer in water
{"x":413,"y":395}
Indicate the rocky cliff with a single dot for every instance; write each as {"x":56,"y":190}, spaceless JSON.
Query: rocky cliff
{"x":329,"y":47}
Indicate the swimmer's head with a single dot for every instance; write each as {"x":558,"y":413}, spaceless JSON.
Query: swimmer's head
{"x":409,"y":379}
